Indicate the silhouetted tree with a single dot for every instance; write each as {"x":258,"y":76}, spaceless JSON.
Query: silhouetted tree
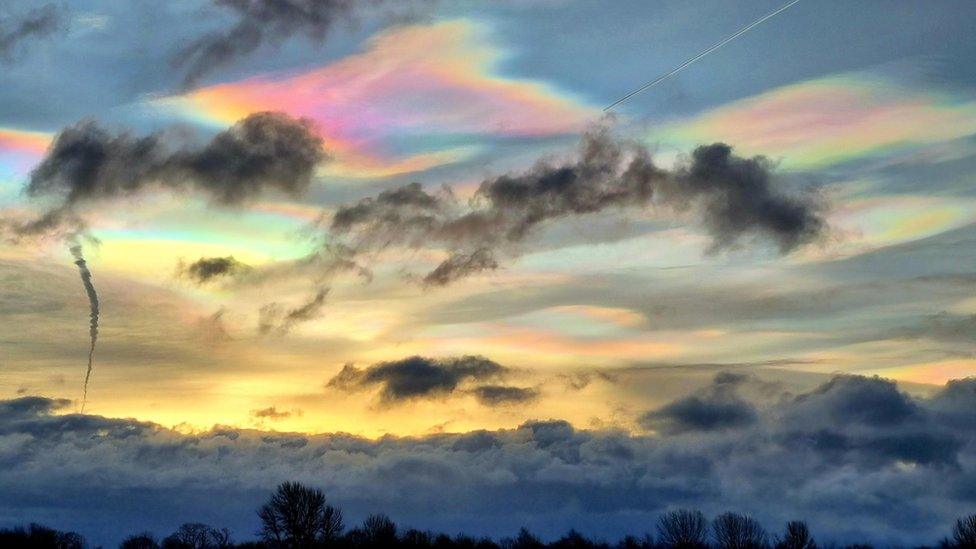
{"x":298,"y":517}
{"x":486,"y":543}
{"x":416,"y":539}
{"x":40,"y":537}
{"x":572,"y":540}
{"x":632,"y":542}
{"x":196,"y":535}
{"x":735,"y":531}
{"x":683,"y":529}
{"x":964,"y":532}
{"x":144,"y":540}
{"x":524,"y":540}
{"x":379,"y":530}
{"x":797,"y":536}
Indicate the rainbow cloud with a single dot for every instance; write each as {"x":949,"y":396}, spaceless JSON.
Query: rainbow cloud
{"x":20,"y":150}
{"x":411,"y":100}
{"x":829,"y":120}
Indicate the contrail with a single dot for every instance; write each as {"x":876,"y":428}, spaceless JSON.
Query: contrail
{"x":684,"y":65}
{"x":93,"y":301}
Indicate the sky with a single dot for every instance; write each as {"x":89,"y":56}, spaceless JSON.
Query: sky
{"x":403,"y":253}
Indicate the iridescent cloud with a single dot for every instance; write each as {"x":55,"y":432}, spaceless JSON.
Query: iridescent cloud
{"x":829,"y":120}
{"x":19,"y":150}
{"x":413,"y":99}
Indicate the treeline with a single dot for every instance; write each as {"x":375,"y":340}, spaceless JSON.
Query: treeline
{"x":298,"y":517}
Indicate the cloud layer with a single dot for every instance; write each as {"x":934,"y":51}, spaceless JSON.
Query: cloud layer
{"x":855,"y":457}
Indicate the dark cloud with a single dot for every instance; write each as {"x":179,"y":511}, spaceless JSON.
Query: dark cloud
{"x":500,"y":395}
{"x":897,"y":481}
{"x":694,"y":413}
{"x":737,"y":198}
{"x":36,"y":23}
{"x":207,"y":269}
{"x":856,"y":400}
{"x":405,"y":206}
{"x":261,"y":22}
{"x":416,"y":376}
{"x":273,"y":414}
{"x":955,"y":404}
{"x":579,"y":380}
{"x":461,"y":265}
{"x":31,"y":406}
{"x":717,"y":407}
{"x":263,"y":152}
{"x":273,"y":318}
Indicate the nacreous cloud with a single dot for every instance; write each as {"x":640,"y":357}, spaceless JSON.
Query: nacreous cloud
{"x":416,"y":376}
{"x":735,"y":198}
{"x":262,"y":21}
{"x":856,"y":458}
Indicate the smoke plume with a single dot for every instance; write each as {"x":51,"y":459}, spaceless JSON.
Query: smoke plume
{"x":86,"y":279}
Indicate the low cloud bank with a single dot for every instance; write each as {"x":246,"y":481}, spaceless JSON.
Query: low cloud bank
{"x":855,"y":457}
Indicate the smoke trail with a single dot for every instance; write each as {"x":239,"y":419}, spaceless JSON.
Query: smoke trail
{"x":714,"y":47}
{"x":93,"y":301}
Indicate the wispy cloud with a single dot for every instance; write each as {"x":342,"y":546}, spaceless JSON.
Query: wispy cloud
{"x":832,"y":119}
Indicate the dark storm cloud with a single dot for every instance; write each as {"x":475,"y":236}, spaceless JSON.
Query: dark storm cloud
{"x":207,"y":269}
{"x":273,"y":318}
{"x":736,"y":198}
{"x":899,"y":478}
{"x":36,"y":23}
{"x":500,"y":395}
{"x":416,"y":376}
{"x":261,"y":22}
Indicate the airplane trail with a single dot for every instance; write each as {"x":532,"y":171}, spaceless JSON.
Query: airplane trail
{"x":714,"y":47}
{"x":86,"y":279}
